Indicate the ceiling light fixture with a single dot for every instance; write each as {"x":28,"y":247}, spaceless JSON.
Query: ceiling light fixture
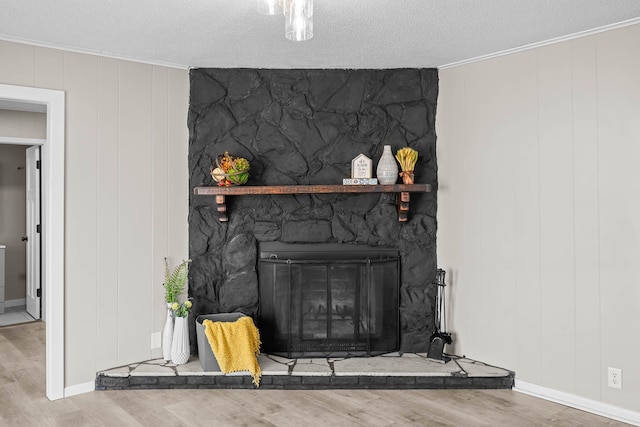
{"x":270,"y":7}
{"x":298,"y":20}
{"x":298,"y":16}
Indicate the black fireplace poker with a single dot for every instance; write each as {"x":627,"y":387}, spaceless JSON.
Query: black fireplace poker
{"x":439,"y":338}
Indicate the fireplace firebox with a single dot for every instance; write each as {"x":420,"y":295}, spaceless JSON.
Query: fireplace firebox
{"x":328,"y":300}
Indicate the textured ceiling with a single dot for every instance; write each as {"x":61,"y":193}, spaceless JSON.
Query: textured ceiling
{"x":348,"y":33}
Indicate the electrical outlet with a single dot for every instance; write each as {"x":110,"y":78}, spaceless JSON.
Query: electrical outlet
{"x":156,"y":340}
{"x":614,"y":378}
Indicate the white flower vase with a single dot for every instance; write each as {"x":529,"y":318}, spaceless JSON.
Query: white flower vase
{"x":387,"y":170}
{"x":167,"y":335}
{"x":180,"y":350}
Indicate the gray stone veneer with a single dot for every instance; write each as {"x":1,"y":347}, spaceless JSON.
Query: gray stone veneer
{"x":305,"y":127}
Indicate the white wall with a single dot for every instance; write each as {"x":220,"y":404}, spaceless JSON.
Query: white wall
{"x":23,"y":124}
{"x":13,"y":213}
{"x":126,"y":197}
{"x":539,"y":212}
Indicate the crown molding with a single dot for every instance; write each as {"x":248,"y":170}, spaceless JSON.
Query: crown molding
{"x":91,"y":52}
{"x":536,"y":45}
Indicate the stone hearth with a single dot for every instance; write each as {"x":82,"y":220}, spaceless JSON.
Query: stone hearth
{"x":390,"y":371}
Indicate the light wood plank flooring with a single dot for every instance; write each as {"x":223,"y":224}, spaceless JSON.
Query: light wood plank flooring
{"x":23,"y":402}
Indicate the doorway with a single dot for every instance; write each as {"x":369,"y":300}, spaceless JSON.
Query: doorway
{"x":20,"y":286}
{"x":51,"y":102}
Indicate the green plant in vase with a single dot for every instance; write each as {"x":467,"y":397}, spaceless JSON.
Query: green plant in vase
{"x":175,"y":281}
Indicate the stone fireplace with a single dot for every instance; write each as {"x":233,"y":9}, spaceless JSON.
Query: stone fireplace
{"x":328,"y":300}
{"x":305,"y":127}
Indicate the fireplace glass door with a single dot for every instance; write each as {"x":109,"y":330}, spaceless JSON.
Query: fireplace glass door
{"x":329,"y":303}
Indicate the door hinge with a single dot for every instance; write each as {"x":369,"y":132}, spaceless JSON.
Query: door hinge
{"x":38,"y":228}
{"x":39,"y":292}
{"x":37,"y":164}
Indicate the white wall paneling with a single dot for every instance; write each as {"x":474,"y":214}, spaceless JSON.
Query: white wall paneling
{"x":618,"y":93}
{"x":108,"y":183}
{"x":134,"y":226}
{"x":81,"y":81}
{"x":124,"y":122}
{"x":160,"y":194}
{"x":539,"y":212}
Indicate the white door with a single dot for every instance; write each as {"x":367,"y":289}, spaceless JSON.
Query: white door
{"x":33,"y":231}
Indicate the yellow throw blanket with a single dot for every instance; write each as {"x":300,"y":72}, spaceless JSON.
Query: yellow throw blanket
{"x":235,"y":345}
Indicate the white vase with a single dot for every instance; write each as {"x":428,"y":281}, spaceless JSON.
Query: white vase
{"x":387,"y":171}
{"x":167,"y":335}
{"x":180,"y":350}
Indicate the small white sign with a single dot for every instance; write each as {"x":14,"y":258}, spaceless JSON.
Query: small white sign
{"x":361,"y":167}
{"x":360,"y":181}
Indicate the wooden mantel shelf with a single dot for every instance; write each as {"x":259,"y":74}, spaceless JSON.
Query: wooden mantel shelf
{"x":403,"y":191}
{"x":310,"y":189}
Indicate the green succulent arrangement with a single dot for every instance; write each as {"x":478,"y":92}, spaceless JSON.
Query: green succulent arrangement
{"x":175,"y":281}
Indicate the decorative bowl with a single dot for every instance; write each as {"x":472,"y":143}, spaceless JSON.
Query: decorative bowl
{"x":230,"y":170}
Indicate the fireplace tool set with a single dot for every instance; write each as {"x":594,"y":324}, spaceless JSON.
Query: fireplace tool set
{"x":439,"y":337}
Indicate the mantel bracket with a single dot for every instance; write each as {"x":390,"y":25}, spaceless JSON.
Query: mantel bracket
{"x":221,"y":207}
{"x":403,"y":206}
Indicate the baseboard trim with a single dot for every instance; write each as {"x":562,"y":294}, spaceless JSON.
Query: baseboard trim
{"x":15,"y":302}
{"x":578,"y":402}
{"x":79,"y":389}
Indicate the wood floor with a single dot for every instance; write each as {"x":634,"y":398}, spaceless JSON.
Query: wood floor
{"x":22,"y":402}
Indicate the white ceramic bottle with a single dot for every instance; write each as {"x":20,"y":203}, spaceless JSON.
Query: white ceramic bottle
{"x":387,"y":171}
{"x":167,"y":335}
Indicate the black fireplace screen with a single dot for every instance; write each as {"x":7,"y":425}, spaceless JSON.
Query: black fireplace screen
{"x":328,"y":300}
